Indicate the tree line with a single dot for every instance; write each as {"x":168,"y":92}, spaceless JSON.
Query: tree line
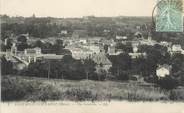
{"x":66,"y":68}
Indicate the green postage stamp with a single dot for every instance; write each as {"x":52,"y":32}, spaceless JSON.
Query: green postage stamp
{"x":169,"y":17}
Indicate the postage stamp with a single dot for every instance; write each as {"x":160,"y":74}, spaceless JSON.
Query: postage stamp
{"x":169,"y":16}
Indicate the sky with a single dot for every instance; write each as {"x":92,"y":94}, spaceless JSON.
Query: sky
{"x":76,"y":8}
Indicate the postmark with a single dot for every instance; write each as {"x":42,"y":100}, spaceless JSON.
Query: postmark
{"x":169,"y":16}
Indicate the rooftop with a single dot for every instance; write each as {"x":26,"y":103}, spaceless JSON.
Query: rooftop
{"x":101,"y":59}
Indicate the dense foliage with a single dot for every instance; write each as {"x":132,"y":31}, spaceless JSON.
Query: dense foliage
{"x":6,"y":66}
{"x":67,"y":68}
{"x":95,"y":26}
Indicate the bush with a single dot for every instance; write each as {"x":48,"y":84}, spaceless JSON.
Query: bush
{"x":151,"y":79}
{"x":168,"y":83}
{"x":123,"y":76}
{"x":143,"y":95}
{"x":78,"y":94}
{"x":177,"y":94}
{"x":44,"y":93}
{"x":49,"y":92}
{"x":16,"y":89}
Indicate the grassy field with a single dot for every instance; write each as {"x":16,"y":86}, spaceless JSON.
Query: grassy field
{"x":36,"y":89}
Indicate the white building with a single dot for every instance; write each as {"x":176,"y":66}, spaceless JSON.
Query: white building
{"x":93,"y":48}
{"x":32,"y":54}
{"x":135,"y":49}
{"x":111,"y":50}
{"x":83,"y":41}
{"x":64,"y":32}
{"x":163,"y":70}
{"x":137,"y":55}
{"x":121,"y":37}
{"x":34,"y":51}
{"x":166,"y":44}
{"x":80,"y":53}
{"x":176,"y":48}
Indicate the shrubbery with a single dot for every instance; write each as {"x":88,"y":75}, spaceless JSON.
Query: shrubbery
{"x":16,"y":89}
{"x":67,"y":68}
{"x":168,"y":82}
{"x":177,"y":94}
{"x":33,"y":89}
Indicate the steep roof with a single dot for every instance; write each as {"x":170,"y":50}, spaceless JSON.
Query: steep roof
{"x":101,"y":59}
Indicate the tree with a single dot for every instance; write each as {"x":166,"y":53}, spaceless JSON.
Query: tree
{"x":22,"y":43}
{"x":3,"y":47}
{"x":156,"y":54}
{"x":71,"y":68}
{"x":22,"y":46}
{"x":58,"y":46}
{"x":89,"y":67}
{"x":106,"y":48}
{"x":38,"y":43}
{"x":6,"y":66}
{"x":168,"y":82}
{"x":9,"y":43}
{"x":121,"y":64}
{"x":47,"y":48}
{"x":139,"y":66}
{"x":178,"y":65}
{"x":101,"y":74}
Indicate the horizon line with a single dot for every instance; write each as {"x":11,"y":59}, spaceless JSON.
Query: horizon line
{"x":36,"y":16}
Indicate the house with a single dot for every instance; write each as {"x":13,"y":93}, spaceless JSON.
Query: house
{"x":135,"y":49}
{"x":121,"y":37}
{"x":51,"y":57}
{"x":166,"y":44}
{"x":83,"y":41}
{"x":68,"y":41}
{"x":148,"y":42}
{"x":111,"y":50}
{"x":94,"y":40}
{"x":34,"y":51}
{"x":64,"y":32}
{"x":176,"y":48}
{"x":79,"y":52}
{"x":94,"y":48}
{"x":110,"y":42}
{"x":32,"y":54}
{"x":101,"y":60}
{"x":106,"y":31}
{"x":137,"y":55}
{"x":163,"y":70}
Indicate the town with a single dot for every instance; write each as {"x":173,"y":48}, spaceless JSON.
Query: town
{"x":92,"y":48}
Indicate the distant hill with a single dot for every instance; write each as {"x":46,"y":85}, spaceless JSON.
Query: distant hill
{"x":43,"y":27}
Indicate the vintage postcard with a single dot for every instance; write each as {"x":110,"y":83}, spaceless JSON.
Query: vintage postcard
{"x":92,"y":56}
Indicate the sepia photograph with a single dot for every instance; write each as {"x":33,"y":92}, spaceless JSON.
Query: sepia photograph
{"x":92,"y":51}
